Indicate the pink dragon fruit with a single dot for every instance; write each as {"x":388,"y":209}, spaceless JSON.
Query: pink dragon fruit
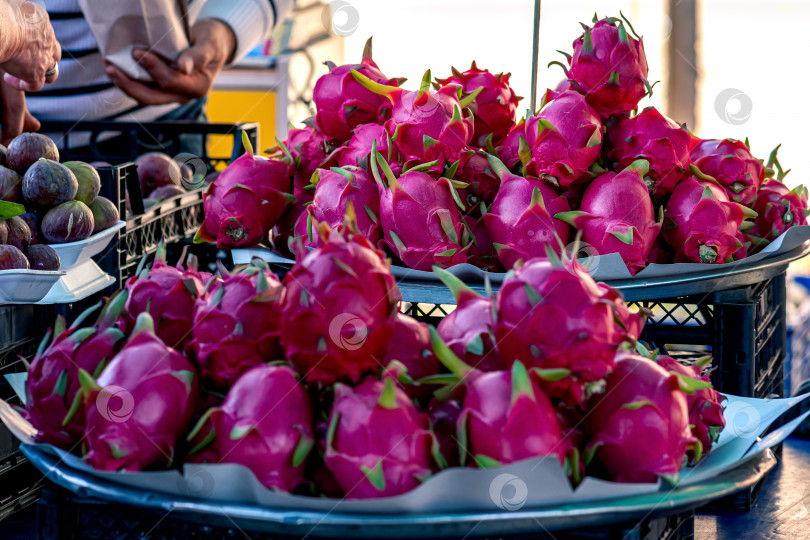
{"x":731,"y":163}
{"x":563,"y":140}
{"x":140,"y":405}
{"x":283,"y":233}
{"x":336,"y":189}
{"x":609,"y":67}
{"x":167,"y":293}
{"x":427,"y":126}
{"x":265,"y":424}
{"x":343,"y":104}
{"x":246,"y":200}
{"x":494,"y":107}
{"x":617,"y":216}
{"x":467,"y":329}
{"x":379,"y":444}
{"x":629,"y":324}
{"x":443,"y":421}
{"x":702,"y":223}
{"x":481,"y":253}
{"x":420,"y":221}
{"x":779,"y":208}
{"x":639,"y":426}
{"x":521,"y":221}
{"x":335,"y":315}
{"x":236,"y":325}
{"x":310,"y":150}
{"x":505,"y":417}
{"x":482,"y":183}
{"x":509,"y":149}
{"x":651,"y":136}
{"x":53,"y":383}
{"x":571,"y":420}
{"x":551,"y":315}
{"x":410,"y":346}
{"x":357,"y":151}
{"x":704,"y":403}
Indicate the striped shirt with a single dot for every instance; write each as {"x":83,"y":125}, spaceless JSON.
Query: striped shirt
{"x":84,"y":92}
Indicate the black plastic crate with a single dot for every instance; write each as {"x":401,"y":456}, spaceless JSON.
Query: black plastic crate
{"x":90,"y":140}
{"x":174,"y":220}
{"x":20,"y":482}
{"x":64,"y":516}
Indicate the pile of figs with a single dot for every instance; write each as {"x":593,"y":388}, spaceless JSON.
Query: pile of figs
{"x":46,"y":202}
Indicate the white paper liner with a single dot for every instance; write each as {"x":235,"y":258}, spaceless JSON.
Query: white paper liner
{"x":608,"y":267}
{"x":457,"y":489}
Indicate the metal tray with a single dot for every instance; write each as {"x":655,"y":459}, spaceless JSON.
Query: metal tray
{"x":335,"y":524}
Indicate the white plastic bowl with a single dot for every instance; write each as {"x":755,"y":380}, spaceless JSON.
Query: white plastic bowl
{"x":74,"y":253}
{"x":26,"y":286}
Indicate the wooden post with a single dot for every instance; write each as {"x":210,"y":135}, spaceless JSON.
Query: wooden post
{"x":680,"y":77}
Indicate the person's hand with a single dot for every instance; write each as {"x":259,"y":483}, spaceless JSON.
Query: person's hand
{"x":15,"y":116}
{"x":212,"y":45}
{"x":29,"y":52}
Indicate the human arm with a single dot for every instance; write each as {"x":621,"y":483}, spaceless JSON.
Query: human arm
{"x":28,"y":47}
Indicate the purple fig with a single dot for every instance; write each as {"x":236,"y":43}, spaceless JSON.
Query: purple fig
{"x":10,"y":184}
{"x":166,"y":192}
{"x":105,"y":214}
{"x":88,"y":179}
{"x":156,"y":169}
{"x":27,"y":148}
{"x":12,"y":258}
{"x":32,"y":220}
{"x":48,"y":183}
{"x":19,"y":235}
{"x":68,"y":222}
{"x":42,"y":257}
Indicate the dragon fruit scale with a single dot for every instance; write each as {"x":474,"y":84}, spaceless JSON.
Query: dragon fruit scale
{"x":651,"y":136}
{"x":378,"y":443}
{"x":563,"y":140}
{"x":731,"y":163}
{"x":245,"y":201}
{"x":167,"y":293}
{"x":343,"y":104}
{"x":639,"y":426}
{"x":779,"y":208}
{"x":265,"y":424}
{"x":336,"y":188}
{"x":336,"y":310}
{"x":509,"y":150}
{"x":505,"y":415}
{"x":140,"y":405}
{"x":493,"y":108}
{"x":609,"y":66}
{"x":467,"y":329}
{"x":520,"y":223}
{"x":54,"y":404}
{"x":237,"y":325}
{"x":617,"y":216}
{"x":551,"y":315}
{"x":427,"y":126}
{"x":420,"y":219}
{"x":702,"y":224}
{"x":705,"y":404}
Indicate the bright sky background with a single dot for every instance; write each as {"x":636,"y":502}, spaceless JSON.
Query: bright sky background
{"x":738,"y":52}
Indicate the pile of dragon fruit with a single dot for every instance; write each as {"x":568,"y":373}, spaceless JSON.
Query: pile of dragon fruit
{"x":319,"y":384}
{"x":465,"y":182}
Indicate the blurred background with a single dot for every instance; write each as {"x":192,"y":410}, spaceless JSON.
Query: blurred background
{"x":728,"y":68}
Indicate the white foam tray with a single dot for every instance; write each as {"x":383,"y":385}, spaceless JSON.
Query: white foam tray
{"x":26,"y":286}
{"x":75,"y":253}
